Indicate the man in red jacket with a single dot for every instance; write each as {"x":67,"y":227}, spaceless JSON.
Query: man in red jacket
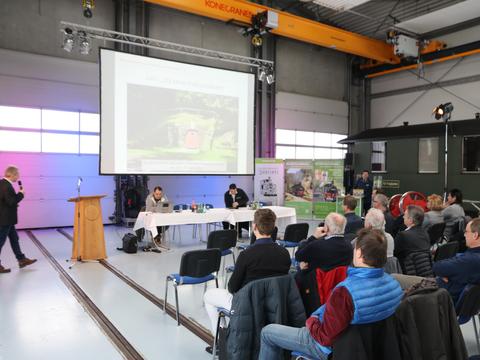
{"x":8,"y":216}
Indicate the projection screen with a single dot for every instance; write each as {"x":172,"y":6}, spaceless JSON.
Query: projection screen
{"x":164,"y":117}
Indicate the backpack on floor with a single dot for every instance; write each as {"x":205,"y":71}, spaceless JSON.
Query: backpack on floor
{"x":130,"y":243}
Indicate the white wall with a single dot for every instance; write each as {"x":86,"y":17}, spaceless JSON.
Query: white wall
{"x":416,"y":106}
{"x":49,"y":179}
{"x":300,"y":112}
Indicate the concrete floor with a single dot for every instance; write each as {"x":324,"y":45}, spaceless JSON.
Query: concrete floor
{"x":39,"y":315}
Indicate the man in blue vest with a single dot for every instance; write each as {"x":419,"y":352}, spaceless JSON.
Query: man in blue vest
{"x":367,"y":295}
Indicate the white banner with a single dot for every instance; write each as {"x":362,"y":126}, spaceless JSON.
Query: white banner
{"x":269,"y":181}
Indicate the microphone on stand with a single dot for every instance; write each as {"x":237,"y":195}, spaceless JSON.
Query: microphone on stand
{"x":79,"y":183}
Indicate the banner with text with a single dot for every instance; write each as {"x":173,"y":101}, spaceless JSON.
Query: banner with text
{"x":269,"y":181}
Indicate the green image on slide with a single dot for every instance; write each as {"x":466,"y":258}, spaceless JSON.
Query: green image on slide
{"x":179,"y":127}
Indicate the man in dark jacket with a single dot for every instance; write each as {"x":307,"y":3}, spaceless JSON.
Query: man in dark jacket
{"x":366,"y":184}
{"x":327,"y":248}
{"x":261,"y":260}
{"x":8,"y":216}
{"x":235,"y":198}
{"x":366,"y":296}
{"x":354,"y":222}
{"x":414,"y":238}
{"x":457,"y":272}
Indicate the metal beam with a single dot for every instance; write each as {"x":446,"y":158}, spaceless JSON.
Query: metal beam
{"x":289,"y":25}
{"x":123,"y":38}
{"x":459,"y":81}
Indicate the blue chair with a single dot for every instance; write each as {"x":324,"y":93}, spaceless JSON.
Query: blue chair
{"x":225,"y":240}
{"x":253,"y":238}
{"x":468,"y":307}
{"x":222,"y":314}
{"x":294,"y":233}
{"x":196,"y":267}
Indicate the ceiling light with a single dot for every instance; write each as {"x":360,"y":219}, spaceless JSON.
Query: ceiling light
{"x":270,"y":79}
{"x":68,"y":40}
{"x":84,"y":43}
{"x":340,"y":5}
{"x":262,"y":74}
{"x":442,"y":111}
{"x":257,"y":40}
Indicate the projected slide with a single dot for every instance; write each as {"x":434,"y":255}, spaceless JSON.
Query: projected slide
{"x":164,"y":117}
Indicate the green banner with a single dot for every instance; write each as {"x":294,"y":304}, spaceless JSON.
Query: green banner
{"x":299,"y":187}
{"x":327,"y":186}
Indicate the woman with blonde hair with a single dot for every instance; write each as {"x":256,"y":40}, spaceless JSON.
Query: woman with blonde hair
{"x":434,"y":216}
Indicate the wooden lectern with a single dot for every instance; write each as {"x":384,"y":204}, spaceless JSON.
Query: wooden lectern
{"x":88,"y":237}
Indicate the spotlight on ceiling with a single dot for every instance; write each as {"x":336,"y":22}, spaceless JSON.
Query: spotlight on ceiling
{"x":270,"y":78}
{"x":257,"y":40}
{"x":84,"y":43}
{"x":68,"y":40}
{"x":443,"y":111}
{"x":88,"y":6}
{"x":262,"y":74}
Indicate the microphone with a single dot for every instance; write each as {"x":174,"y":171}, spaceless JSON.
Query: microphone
{"x":79,"y":181}
{"x":20,"y":184}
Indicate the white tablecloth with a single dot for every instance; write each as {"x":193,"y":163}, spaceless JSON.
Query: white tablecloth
{"x":149,"y":220}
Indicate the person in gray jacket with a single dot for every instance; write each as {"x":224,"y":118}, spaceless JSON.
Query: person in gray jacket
{"x":154,"y":201}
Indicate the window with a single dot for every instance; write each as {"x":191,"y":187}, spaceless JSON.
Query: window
{"x":60,"y":143}
{"x":309,"y":145}
{"x":59,"y":120}
{"x":471,"y":154}
{"x":379,"y":150}
{"x":15,"y":117}
{"x":89,"y":122}
{"x":428,"y":155}
{"x":20,"y":141}
{"x":50,"y":131}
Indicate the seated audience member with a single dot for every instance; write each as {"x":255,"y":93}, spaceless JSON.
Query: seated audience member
{"x":367,"y":295}
{"x":453,"y":211}
{"x":354,"y":222}
{"x":434,"y":216}
{"x":327,"y":248}
{"x":455,"y":273}
{"x":375,"y":220}
{"x":154,"y":203}
{"x":414,"y":238}
{"x":261,"y":260}
{"x":380,"y":202}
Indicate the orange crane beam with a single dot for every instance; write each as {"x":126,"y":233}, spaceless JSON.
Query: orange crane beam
{"x":290,"y":26}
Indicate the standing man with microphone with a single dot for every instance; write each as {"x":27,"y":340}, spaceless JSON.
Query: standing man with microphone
{"x":8,"y":215}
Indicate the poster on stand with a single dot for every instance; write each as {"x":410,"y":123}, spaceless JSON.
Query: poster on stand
{"x":327,"y":186}
{"x":269,"y":181}
{"x":299,"y":187}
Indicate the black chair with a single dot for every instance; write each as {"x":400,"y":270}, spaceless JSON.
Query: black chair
{"x":435,"y":232}
{"x":468,"y":306}
{"x":446,"y":251}
{"x":225,"y":240}
{"x":294,"y":233}
{"x":196,"y":267}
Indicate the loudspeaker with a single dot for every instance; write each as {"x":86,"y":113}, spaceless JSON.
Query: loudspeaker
{"x":348,"y":159}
